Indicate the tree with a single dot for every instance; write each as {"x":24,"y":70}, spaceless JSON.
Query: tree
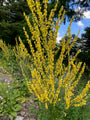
{"x":86,"y":36}
{"x":69,"y":6}
{"x":83,"y":43}
{"x":12,"y":19}
{"x":85,"y":53}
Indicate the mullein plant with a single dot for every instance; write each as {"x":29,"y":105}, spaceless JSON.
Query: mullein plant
{"x":41,"y":64}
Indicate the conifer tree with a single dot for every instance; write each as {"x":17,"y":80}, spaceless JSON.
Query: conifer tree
{"x":12,"y":19}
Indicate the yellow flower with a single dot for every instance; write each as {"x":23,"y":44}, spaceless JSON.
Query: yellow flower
{"x":41,"y":63}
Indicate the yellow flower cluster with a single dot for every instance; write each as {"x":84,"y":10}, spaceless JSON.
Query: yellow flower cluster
{"x":43,"y":70}
{"x":42,"y":67}
{"x":81,"y":99}
{"x":22,"y":51}
{"x":4,"y":47}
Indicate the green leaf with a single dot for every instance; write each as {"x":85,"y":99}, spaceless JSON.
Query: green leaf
{"x":4,"y":101}
{"x":11,"y":117}
{"x":17,"y":108}
{"x":1,"y":111}
{"x":40,"y":105}
{"x":39,"y":116}
{"x":14,"y":114}
{"x":1,"y":114}
{"x":35,"y":99}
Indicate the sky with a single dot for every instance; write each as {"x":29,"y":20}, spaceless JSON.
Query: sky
{"x":76,"y":26}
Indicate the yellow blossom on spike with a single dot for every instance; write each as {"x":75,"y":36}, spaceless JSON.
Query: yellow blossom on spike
{"x":47,"y":78}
